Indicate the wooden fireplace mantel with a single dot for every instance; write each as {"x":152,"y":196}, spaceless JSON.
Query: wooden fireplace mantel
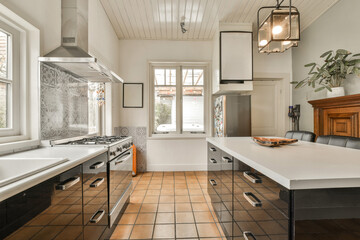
{"x":337,"y":116}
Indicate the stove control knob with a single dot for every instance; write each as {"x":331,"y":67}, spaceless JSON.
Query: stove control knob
{"x":119,"y":149}
{"x":112,"y":153}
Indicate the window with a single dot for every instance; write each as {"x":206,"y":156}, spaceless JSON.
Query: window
{"x":95,"y":94}
{"x":178,"y":98}
{"x":9,"y":81}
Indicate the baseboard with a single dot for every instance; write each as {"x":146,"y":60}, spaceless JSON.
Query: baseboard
{"x":175,"y":167}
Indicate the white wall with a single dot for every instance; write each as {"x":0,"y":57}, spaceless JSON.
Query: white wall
{"x":170,"y":154}
{"x":43,"y":14}
{"x":337,"y":28}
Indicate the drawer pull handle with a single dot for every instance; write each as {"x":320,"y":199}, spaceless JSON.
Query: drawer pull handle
{"x":227,"y":159}
{"x":118,"y":162}
{"x":213,"y":182}
{"x":212,"y":160}
{"x":212,"y":149}
{"x":68,"y":183}
{"x":97,"y":165}
{"x":255,"y":203}
{"x":249,"y":236}
{"x":97,"y":216}
{"x":97,"y":182}
{"x":252,"y":177}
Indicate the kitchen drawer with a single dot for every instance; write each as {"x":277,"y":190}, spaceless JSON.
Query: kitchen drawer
{"x":259,"y":217}
{"x":269,"y":189}
{"x":95,"y":165}
{"x":213,"y":151}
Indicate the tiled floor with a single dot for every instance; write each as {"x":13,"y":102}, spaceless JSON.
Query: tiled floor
{"x":169,"y":205}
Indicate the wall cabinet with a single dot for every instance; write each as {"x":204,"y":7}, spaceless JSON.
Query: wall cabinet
{"x":232,"y":66}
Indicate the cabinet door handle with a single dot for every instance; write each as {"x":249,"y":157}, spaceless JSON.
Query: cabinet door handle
{"x":252,"y":177}
{"x":97,"y":182}
{"x":212,"y":160}
{"x":249,"y":235}
{"x":255,"y":203}
{"x":68,"y":183}
{"x":97,"y":165}
{"x":97,"y":216}
{"x":227,"y":159}
{"x":212,"y":149}
{"x":213,"y":182}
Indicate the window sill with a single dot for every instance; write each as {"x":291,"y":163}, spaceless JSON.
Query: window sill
{"x":17,"y":146}
{"x":177,"y":136}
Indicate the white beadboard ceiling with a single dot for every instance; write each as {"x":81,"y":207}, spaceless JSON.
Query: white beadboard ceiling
{"x":160,"y":19}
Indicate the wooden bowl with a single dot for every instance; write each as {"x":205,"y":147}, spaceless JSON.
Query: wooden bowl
{"x":273,"y":142}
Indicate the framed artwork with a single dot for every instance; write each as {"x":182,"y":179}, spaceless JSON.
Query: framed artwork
{"x":133,"y":95}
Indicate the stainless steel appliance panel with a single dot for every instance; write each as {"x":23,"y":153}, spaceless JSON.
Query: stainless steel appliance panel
{"x":232,"y":116}
{"x":120,"y":178}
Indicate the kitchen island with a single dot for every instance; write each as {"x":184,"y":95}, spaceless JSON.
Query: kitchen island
{"x":300,"y":191}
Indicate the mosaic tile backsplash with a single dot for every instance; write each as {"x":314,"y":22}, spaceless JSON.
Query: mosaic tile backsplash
{"x":64,"y":104}
{"x":139,"y":139}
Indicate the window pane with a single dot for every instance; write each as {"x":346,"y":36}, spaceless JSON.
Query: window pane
{"x":3,"y":105}
{"x":193,"y":109}
{"x":159,"y":76}
{"x":187,"y":76}
{"x":3,"y":54}
{"x":165,"y":109}
{"x":170,"y":76}
{"x":198,"y":77}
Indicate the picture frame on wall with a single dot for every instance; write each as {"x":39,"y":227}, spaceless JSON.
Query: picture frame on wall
{"x":133,"y":95}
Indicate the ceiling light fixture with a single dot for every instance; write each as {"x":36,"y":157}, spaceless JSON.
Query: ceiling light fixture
{"x":182,"y":25}
{"x":280,"y":30}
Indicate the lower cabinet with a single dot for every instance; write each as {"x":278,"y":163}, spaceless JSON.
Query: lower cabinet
{"x":248,"y":204}
{"x":50,"y":210}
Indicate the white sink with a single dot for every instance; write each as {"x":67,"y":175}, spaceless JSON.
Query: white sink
{"x":15,"y":169}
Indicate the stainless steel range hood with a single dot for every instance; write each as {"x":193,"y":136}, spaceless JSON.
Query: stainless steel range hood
{"x":72,"y":56}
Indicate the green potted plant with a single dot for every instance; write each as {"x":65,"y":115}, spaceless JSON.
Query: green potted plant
{"x":330,"y":75}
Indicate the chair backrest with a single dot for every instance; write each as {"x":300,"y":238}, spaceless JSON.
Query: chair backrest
{"x":340,"y":141}
{"x":301,"y":135}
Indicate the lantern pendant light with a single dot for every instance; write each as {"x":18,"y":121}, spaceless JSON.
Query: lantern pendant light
{"x":280,"y":30}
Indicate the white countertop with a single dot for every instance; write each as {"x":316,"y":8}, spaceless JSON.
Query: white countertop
{"x":302,"y":165}
{"x":75,"y":155}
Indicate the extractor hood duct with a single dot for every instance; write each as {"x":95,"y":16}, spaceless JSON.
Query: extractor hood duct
{"x":72,"y":56}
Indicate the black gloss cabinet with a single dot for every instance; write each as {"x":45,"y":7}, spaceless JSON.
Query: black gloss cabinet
{"x":251,"y":206}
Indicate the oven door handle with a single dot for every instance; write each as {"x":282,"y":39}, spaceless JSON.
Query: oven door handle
{"x":123,"y":158}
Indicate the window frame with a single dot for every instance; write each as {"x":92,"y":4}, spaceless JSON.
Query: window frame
{"x":14,"y":115}
{"x":179,"y":133}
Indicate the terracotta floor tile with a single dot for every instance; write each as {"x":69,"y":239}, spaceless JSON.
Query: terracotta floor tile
{"x":194,"y":192}
{"x":70,"y":232}
{"x":43,"y":220}
{"x":133,"y":208}
{"x":154,"y":186}
{"x":151,"y":199}
{"x":141,"y":187}
{"x":136,"y":199}
{"x":128,"y":218}
{"x":145,"y":218}
{"x":184,"y":217}
{"x":199,"y":198}
{"x":164,"y":231}
{"x":48,"y":232}
{"x":200,"y":207}
{"x":179,"y":192}
{"x":167,"y":192}
{"x":186,"y":231}
{"x":183,"y":207}
{"x":142,"y":232}
{"x":148,"y":207}
{"x":167,"y":199}
{"x":153,"y":192}
{"x":166,"y":207}
{"x":182,"y":199}
{"x":208,"y":230}
{"x":203,"y":217}
{"x":165,"y":218}
{"x":122,"y":232}
{"x":167,"y":185}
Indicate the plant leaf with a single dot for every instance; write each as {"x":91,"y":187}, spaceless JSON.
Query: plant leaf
{"x":326,"y":53}
{"x":319,"y":89}
{"x":342,"y":52}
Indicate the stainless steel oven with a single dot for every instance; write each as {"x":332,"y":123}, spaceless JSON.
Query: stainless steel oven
{"x":120,"y":178}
